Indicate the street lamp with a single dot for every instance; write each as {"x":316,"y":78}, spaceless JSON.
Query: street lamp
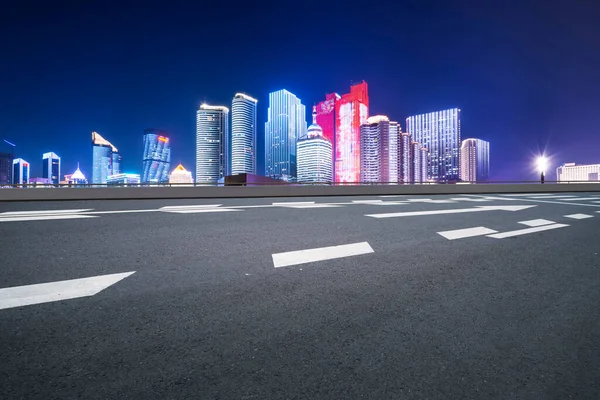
{"x":542,"y":164}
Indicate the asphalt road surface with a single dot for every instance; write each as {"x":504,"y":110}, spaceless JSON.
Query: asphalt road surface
{"x":457,"y":297}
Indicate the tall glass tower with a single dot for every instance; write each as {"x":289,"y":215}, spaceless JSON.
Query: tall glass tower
{"x":212,"y":143}
{"x":439,"y":132}
{"x":106,"y":159}
{"x":243,"y":134}
{"x":474,"y":160}
{"x":156,"y":160}
{"x":286,"y":123}
{"x":51,"y":167}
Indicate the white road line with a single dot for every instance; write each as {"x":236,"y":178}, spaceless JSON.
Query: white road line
{"x":49,"y":212}
{"x":526,"y":231}
{"x":119,"y":212}
{"x":579,"y":216}
{"x":468,"y":199}
{"x":430,"y":201}
{"x":465,"y":233}
{"x":166,"y":208}
{"x":451,"y":211}
{"x":539,"y":201}
{"x":323,"y":205}
{"x":527,"y":194}
{"x":581,"y":199}
{"x":537,"y":222}
{"x":45,"y":217}
{"x":287,"y":203}
{"x":392,"y":195}
{"x":320,"y":254}
{"x":366,"y":201}
{"x":552,"y":197}
{"x":200,"y":210}
{"x":55,"y":291}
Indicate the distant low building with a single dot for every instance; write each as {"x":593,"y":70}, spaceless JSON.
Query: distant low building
{"x":123,"y":179}
{"x":40,"y":181}
{"x":571,"y":172}
{"x":180,"y":176}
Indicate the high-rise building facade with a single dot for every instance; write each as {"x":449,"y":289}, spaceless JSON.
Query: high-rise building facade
{"x":243,"y":134}
{"x":352,"y":110}
{"x":405,"y":174}
{"x":156,"y":159}
{"x":6,"y":168}
{"x":123,"y":179}
{"x":374,"y":139}
{"x":327,"y":119}
{"x":21,"y":170}
{"x":474,"y":160}
{"x":106,"y":159}
{"x":51,"y":167}
{"x":439,"y":132}
{"x":416,"y":162}
{"x":212,"y":143}
{"x":315,"y":155}
{"x":286,"y":123}
{"x":424,"y":160}
{"x":180,"y":175}
{"x":393,"y":151}
{"x":571,"y":172}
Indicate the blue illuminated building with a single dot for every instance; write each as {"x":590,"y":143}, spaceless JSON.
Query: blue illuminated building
{"x":156,"y":159}
{"x":286,"y":123}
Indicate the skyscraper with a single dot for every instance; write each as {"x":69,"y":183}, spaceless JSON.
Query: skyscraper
{"x":286,"y":122}
{"x":374,"y":136}
{"x":405,"y":174}
{"x":439,"y":132}
{"x":352,"y":110}
{"x":393,"y":151}
{"x":424,"y":160}
{"x":315,"y":155}
{"x":106,"y":159}
{"x":51,"y":167}
{"x":6,"y":168}
{"x":156,"y":159}
{"x":474,"y":160}
{"x":417,"y":162}
{"x":243,"y":134}
{"x":327,"y":119}
{"x":20,"y":172}
{"x":212,"y":143}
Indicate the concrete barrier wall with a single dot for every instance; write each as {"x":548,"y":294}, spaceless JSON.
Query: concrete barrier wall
{"x":122,"y":193}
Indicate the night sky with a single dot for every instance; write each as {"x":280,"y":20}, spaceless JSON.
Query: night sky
{"x":525,"y":73}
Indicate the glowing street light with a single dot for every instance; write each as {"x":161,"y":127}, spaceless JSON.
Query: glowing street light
{"x":542,"y":164}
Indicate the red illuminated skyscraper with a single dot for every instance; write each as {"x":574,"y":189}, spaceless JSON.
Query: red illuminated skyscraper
{"x":326,"y":119}
{"x":351,"y":110}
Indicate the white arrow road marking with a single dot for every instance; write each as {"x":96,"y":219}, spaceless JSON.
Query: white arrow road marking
{"x":468,"y":232}
{"x":537,"y":222}
{"x":526,"y":231}
{"x":455,"y":211}
{"x":579,"y":216}
{"x":320,"y":254}
{"x":55,"y":291}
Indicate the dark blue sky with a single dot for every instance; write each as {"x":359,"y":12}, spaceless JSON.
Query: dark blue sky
{"x":525,"y":73}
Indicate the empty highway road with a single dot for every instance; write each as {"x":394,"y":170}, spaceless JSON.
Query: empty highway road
{"x":391,"y":297}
